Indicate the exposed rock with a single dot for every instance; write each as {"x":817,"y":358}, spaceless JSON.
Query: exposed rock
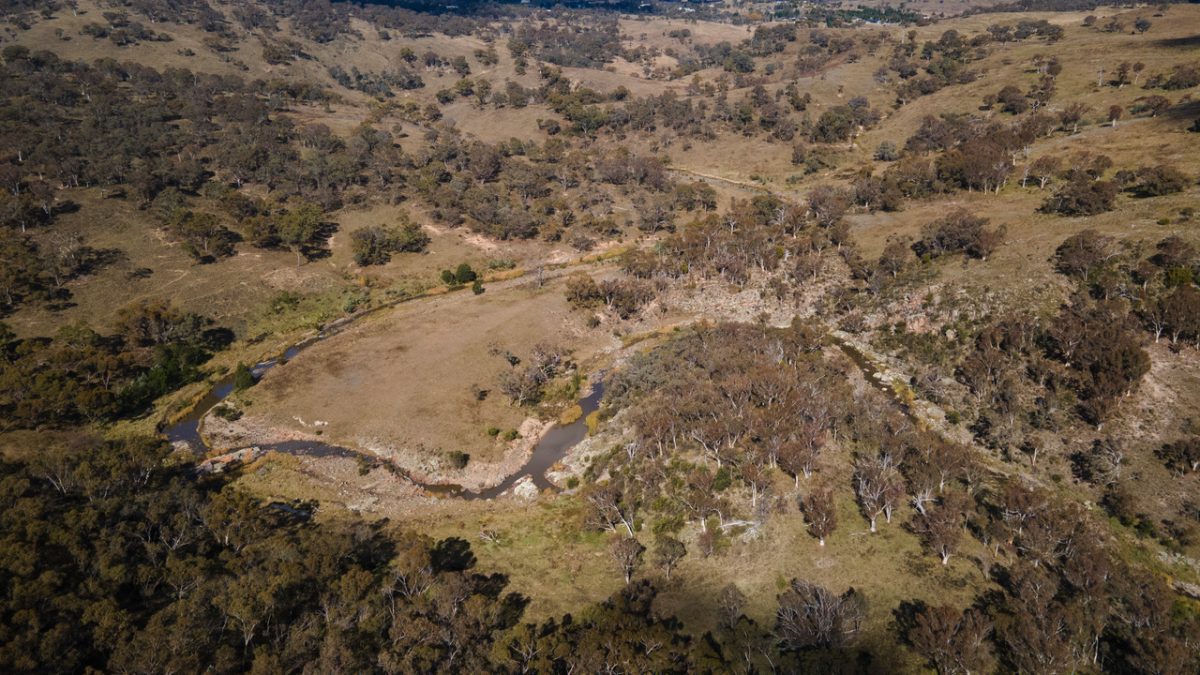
{"x":221,"y":462}
{"x":1190,"y":590}
{"x":525,"y":489}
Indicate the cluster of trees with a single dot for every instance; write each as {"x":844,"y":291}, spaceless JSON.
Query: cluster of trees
{"x":1182,"y":76}
{"x":959,"y":152}
{"x":842,"y":122}
{"x":742,"y":401}
{"x":1065,"y":602}
{"x":824,"y":48}
{"x":513,"y":190}
{"x":121,"y":127}
{"x":1154,"y":181}
{"x":622,"y":297}
{"x":1082,"y":190}
{"x":377,"y":84}
{"x":152,"y":570}
{"x":121,"y":30}
{"x":80,"y":376}
{"x":1025,"y":376}
{"x":1082,"y":196}
{"x":948,"y":153}
{"x":582,"y":108}
{"x":817,"y":49}
{"x":714,"y":413}
{"x":1025,"y":29}
{"x":575,"y":41}
{"x":74,"y":125}
{"x":1101,"y":346}
{"x":296,"y":225}
{"x":758,"y":112}
{"x":203,"y":235}
{"x":1161,"y":287}
{"x":70,"y":125}
{"x":938,"y":64}
{"x":763,"y":234}
{"x":375,"y":244}
{"x":30,"y":270}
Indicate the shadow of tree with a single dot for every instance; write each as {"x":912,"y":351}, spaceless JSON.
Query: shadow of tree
{"x":1189,"y":41}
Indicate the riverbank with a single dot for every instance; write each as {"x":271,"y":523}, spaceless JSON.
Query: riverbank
{"x":423,"y":469}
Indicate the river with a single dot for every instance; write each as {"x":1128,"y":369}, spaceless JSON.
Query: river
{"x":546,"y":453}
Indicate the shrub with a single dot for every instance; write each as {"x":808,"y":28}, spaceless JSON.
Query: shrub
{"x":887,"y":152}
{"x":464,"y":274}
{"x":570,"y":415}
{"x":458,"y":459}
{"x":1182,"y":456}
{"x":1153,"y":105}
{"x":227,"y":413}
{"x":243,"y":377}
{"x":1154,"y":181}
{"x":1183,"y":76}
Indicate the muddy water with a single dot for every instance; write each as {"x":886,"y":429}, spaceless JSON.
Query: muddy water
{"x":187,"y":429}
{"x":548,"y":451}
{"x":871,"y":375}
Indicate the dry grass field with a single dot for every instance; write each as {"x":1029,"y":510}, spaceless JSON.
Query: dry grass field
{"x":400,"y":385}
{"x":236,"y":291}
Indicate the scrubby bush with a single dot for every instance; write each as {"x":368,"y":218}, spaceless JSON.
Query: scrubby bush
{"x":227,"y":413}
{"x":243,"y":377}
{"x":1182,"y":456}
{"x":463,"y":274}
{"x":1154,"y":181}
